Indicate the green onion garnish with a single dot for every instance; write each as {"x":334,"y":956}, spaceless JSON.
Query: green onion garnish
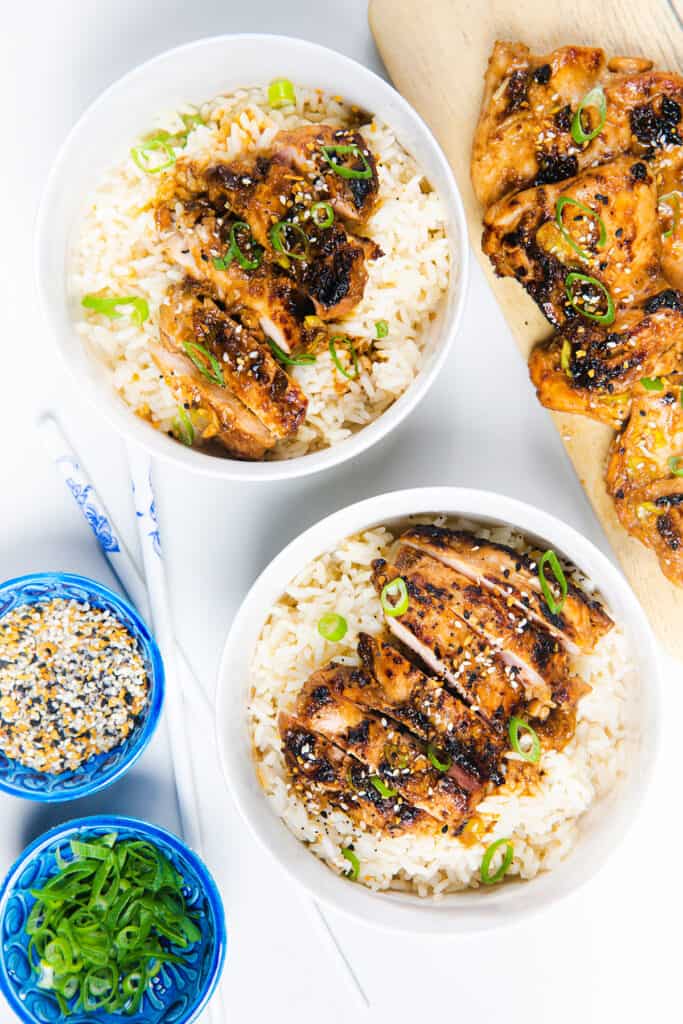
{"x":142,"y":158}
{"x":106,"y":923}
{"x":354,"y":870}
{"x":332,"y":626}
{"x":551,"y":559}
{"x":235,"y":253}
{"x":327,"y":218}
{"x":605,"y":318}
{"x":531,"y":754}
{"x":201,"y":356}
{"x":381,"y":328}
{"x":675,"y":465}
{"x":672,"y":200}
{"x":394,"y":597}
{"x":565,"y":356}
{"x":652,"y":383}
{"x":396,"y":757}
{"x":280,"y":93}
{"x":384,"y":791}
{"x":305,"y":359}
{"x":280,"y":242}
{"x":183,"y":427}
{"x":109,"y":306}
{"x":341,"y":169}
{"x":489,"y":854}
{"x":586,"y":211}
{"x":439,"y":758}
{"x":594,"y":98}
{"x":352,"y":352}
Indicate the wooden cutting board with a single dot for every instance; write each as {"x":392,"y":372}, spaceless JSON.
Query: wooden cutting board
{"x":436,"y":52}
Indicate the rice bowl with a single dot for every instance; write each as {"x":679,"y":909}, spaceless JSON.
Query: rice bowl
{"x":562,"y":833}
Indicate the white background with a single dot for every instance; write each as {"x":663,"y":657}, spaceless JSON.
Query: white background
{"x":611,"y":953}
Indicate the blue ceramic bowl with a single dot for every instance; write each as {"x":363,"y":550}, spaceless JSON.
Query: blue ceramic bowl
{"x":178,"y":993}
{"x":103,"y":769}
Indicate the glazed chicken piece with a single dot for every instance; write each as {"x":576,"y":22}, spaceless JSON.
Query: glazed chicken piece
{"x":223,"y":417}
{"x":524,"y":134}
{"x":264,"y":298}
{"x":394,"y":686}
{"x":452,"y":650}
{"x":315,"y":150}
{"x":324,"y":773}
{"x":191,"y":324}
{"x":513,"y":576}
{"x":592,"y":370}
{"x":668,"y":171}
{"x":645,"y":473}
{"x":397,"y":758}
{"x":621,"y":244}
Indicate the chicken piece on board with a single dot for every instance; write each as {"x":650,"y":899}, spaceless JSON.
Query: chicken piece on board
{"x":616,"y":228}
{"x":191,"y":323}
{"x":324,"y":773}
{"x":668,"y":171}
{"x":645,"y":473}
{"x":513,"y":576}
{"x":593,"y":370}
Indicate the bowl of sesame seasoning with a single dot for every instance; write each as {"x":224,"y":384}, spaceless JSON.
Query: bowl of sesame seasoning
{"x":81,"y":686}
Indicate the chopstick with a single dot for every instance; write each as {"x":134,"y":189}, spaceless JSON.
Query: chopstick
{"x":122,"y":565}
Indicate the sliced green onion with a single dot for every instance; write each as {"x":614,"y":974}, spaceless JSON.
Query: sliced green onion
{"x":305,"y":359}
{"x":489,"y":854}
{"x":332,"y":626}
{"x":110,"y":306}
{"x":605,"y":318}
{"x":192,"y":121}
{"x":183,"y":428}
{"x":354,"y":870}
{"x":200,"y":356}
{"x":141,"y":157}
{"x":565,"y":356}
{"x":341,"y":169}
{"x":594,"y":98}
{"x":673,"y":200}
{"x":352,"y":352}
{"x":381,"y":328}
{"x":281,"y":93}
{"x":652,"y":383}
{"x":278,"y":238}
{"x":675,"y":465}
{"x":384,"y":791}
{"x":394,"y":597}
{"x":235,"y":253}
{"x":564,"y":201}
{"x":533,"y":753}
{"x":439,"y":758}
{"x":551,"y":559}
{"x":395,"y":756}
{"x":327,"y":219}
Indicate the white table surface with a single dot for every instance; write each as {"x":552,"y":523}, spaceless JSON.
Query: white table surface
{"x":612,"y":952}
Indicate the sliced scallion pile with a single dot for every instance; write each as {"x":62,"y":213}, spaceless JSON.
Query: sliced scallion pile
{"x":109,"y":306}
{"x":485,"y":870}
{"x":110,"y":919}
{"x":551,"y":559}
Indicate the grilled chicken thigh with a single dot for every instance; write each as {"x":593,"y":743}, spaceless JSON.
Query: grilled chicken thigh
{"x":323,"y":771}
{"x":513,"y":576}
{"x":645,"y":473}
{"x":399,"y":760}
{"x":609,"y":213}
{"x":524,"y":135}
{"x":593,"y":370}
{"x":191,"y":323}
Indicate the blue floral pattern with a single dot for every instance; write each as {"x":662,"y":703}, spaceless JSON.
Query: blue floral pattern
{"x":98,"y":523}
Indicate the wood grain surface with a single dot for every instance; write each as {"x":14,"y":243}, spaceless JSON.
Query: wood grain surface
{"x":436,"y":52}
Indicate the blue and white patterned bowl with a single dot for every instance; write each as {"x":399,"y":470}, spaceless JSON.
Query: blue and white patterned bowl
{"x":103,"y":769}
{"x":178,"y":993}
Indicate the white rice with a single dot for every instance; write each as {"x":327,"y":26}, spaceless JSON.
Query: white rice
{"x":543,"y":822}
{"x":118,"y":253}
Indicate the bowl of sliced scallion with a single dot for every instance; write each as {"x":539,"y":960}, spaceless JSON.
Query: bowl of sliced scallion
{"x":110,"y":919}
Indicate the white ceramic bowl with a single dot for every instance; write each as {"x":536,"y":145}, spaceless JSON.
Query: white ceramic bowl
{"x":194,"y":73}
{"x":601,"y":829}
